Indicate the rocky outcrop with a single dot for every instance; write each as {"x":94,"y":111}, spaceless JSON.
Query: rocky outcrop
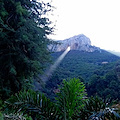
{"x":79,"y":42}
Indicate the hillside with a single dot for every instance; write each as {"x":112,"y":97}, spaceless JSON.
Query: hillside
{"x":82,"y":60}
{"x":84,"y":64}
{"x":95,"y":69}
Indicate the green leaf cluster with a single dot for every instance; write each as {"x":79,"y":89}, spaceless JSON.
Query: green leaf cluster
{"x":70,"y":104}
{"x":97,"y":108}
{"x":71,"y":98}
{"x":106,"y":86}
{"x":66,"y":106}
{"x":24,"y":28}
{"x":32,"y":103}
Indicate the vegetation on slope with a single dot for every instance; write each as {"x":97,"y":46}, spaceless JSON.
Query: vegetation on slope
{"x":100,"y":71}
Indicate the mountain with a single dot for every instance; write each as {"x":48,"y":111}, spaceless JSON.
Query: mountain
{"x":82,"y":60}
{"x":78,"y":42}
{"x":97,"y":68}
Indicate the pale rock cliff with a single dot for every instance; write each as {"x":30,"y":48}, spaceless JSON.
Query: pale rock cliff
{"x":78,"y":42}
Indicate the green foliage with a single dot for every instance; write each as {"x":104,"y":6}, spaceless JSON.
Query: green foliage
{"x":66,"y":106}
{"x":1,"y":116}
{"x":32,"y":103}
{"x":97,"y":108}
{"x":70,"y":104}
{"x":71,"y":98}
{"x":1,"y":104}
{"x":106,"y":87}
{"x":16,"y":117}
{"x":100,"y":79}
{"x":24,"y":27}
{"x":84,"y":64}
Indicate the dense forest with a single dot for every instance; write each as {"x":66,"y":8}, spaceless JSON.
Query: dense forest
{"x":99,"y":71}
{"x":83,"y":88}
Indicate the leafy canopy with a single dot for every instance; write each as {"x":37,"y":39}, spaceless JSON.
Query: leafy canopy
{"x":23,"y":42}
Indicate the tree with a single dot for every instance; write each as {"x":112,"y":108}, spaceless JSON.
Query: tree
{"x":23,"y":42}
{"x":71,"y":99}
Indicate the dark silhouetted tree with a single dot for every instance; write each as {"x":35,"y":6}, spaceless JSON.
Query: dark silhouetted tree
{"x":24,"y":27}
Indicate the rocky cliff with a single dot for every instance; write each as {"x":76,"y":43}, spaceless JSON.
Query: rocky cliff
{"x":78,"y":42}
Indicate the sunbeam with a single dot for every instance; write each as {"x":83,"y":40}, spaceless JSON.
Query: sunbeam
{"x":50,"y":71}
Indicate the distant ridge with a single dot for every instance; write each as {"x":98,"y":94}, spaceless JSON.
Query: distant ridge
{"x":114,"y":52}
{"x":79,"y":42}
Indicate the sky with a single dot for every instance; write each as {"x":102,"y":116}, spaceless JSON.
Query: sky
{"x":99,"y":20}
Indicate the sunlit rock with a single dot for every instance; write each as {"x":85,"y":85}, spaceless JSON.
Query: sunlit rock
{"x":78,"y":42}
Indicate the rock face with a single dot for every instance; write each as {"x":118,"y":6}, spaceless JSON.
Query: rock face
{"x":79,"y":42}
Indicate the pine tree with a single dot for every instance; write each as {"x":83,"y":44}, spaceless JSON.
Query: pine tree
{"x":23,"y":42}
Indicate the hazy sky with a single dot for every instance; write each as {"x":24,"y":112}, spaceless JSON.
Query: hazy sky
{"x":97,"y":19}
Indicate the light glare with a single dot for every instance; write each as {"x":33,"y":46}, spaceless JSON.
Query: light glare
{"x":53,"y":67}
{"x":68,"y":49}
